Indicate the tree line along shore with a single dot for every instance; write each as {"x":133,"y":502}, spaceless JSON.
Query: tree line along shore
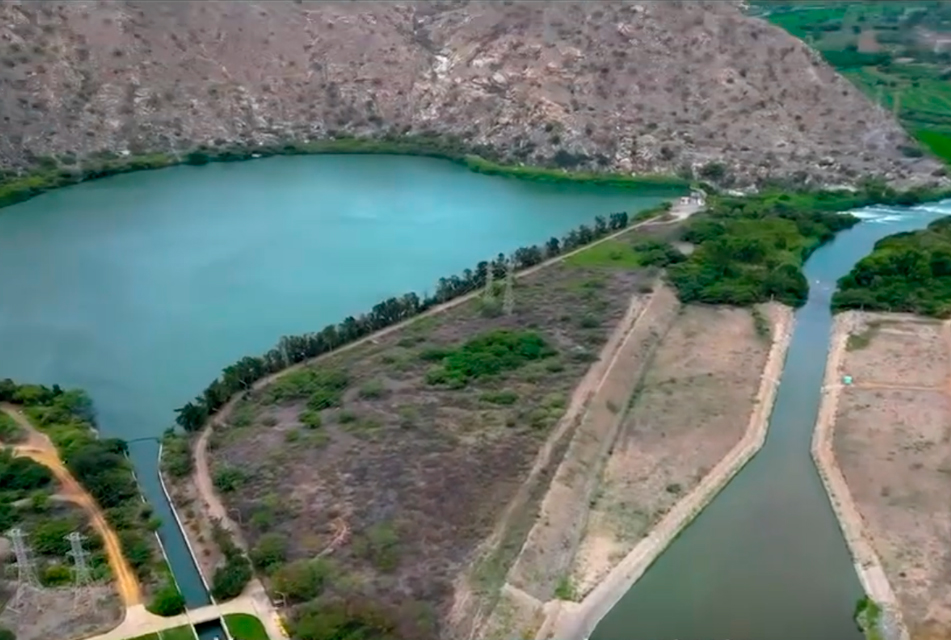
{"x":746,"y":250}
{"x":55,"y":172}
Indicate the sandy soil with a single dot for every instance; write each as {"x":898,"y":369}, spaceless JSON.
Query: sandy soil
{"x":709,"y":364}
{"x":60,"y":614}
{"x":890,"y":439}
{"x":550,"y":548}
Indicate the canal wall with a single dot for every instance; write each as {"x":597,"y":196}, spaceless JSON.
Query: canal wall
{"x":181,"y":526}
{"x":868,"y":565}
{"x":577,"y":620}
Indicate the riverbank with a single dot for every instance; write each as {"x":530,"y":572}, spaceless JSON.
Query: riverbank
{"x":58,"y":174}
{"x":868,"y":566}
{"x":881,"y":448}
{"x":569,"y":620}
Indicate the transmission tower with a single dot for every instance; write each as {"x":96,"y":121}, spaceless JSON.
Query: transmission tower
{"x":26,"y":572}
{"x":79,"y":555}
{"x":508,"y":299}
{"x":489,"y":283}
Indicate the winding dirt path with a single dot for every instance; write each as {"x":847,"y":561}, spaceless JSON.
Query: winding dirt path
{"x":39,"y":448}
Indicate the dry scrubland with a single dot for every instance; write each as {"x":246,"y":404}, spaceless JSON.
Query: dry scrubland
{"x":691,"y":408}
{"x":653,"y":86}
{"x":413,"y":478}
{"x":891,"y":439}
{"x":431,"y":489}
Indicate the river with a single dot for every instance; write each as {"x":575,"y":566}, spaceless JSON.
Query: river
{"x":767,"y":560}
{"x":140,"y":288}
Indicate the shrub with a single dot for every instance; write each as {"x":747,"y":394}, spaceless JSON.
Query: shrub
{"x":167,"y":601}
{"x":56,"y":575}
{"x":228,"y":478}
{"x":270,"y":550}
{"x":504,"y":397}
{"x":380,"y":545}
{"x":303,"y":580}
{"x":230,"y":579}
{"x":310,"y":418}
{"x":489,"y":354}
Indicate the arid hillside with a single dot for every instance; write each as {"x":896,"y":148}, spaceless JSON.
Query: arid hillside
{"x":655,"y":86}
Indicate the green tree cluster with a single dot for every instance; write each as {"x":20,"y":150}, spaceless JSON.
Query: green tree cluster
{"x":751,"y":250}
{"x":908,"y":272}
{"x":100,"y":465}
{"x":290,"y":350}
{"x":230,"y":578}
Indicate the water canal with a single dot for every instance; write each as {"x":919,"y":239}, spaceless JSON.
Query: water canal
{"x":140,"y":288}
{"x":766,"y":560}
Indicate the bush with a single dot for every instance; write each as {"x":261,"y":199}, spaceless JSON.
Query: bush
{"x":380,"y":545}
{"x":176,"y":455}
{"x":230,"y":579}
{"x":310,"y":418}
{"x":303,"y":580}
{"x":489,"y":354}
{"x":167,"y":601}
{"x":56,"y":575}
{"x":504,"y":397}
{"x":228,"y":478}
{"x":271,"y":549}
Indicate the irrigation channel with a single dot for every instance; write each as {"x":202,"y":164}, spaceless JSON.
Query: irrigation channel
{"x":767,"y":560}
{"x":140,"y":288}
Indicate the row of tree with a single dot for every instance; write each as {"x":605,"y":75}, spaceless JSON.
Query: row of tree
{"x":290,"y":350}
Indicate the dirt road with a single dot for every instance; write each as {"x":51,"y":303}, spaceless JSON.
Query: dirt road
{"x":39,"y":447}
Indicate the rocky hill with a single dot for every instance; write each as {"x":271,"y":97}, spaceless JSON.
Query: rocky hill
{"x":650,"y":87}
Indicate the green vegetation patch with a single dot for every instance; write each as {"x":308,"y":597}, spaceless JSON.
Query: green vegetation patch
{"x":908,"y":271}
{"x":102,"y":466}
{"x":868,"y":617}
{"x":627,"y":254}
{"x":185,"y":632}
{"x":10,"y":431}
{"x":751,"y":250}
{"x":487,"y":355}
{"x":243,"y":626}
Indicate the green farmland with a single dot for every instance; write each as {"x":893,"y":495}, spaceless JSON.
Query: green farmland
{"x":897,"y":52}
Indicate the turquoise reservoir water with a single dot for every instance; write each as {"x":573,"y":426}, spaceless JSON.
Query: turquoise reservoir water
{"x":140,"y":288}
{"x":766,"y":560}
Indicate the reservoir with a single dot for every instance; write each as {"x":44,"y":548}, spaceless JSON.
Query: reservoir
{"x":140,"y":288}
{"x":767,"y":560}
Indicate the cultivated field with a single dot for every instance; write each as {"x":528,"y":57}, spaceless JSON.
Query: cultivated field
{"x":404,"y":462}
{"x":891,"y":439}
{"x":691,"y":408}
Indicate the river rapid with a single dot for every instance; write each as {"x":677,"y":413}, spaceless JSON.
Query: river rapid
{"x":139,"y":288}
{"x":766,"y":560}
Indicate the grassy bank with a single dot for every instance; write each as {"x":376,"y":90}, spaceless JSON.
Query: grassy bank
{"x":53,"y":173}
{"x":751,"y":249}
{"x":908,"y":272}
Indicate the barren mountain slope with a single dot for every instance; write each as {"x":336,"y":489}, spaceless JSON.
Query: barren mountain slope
{"x":655,"y":86}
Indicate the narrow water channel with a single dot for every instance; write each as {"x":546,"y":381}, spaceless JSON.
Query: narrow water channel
{"x":767,"y":560}
{"x":140,"y":288}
